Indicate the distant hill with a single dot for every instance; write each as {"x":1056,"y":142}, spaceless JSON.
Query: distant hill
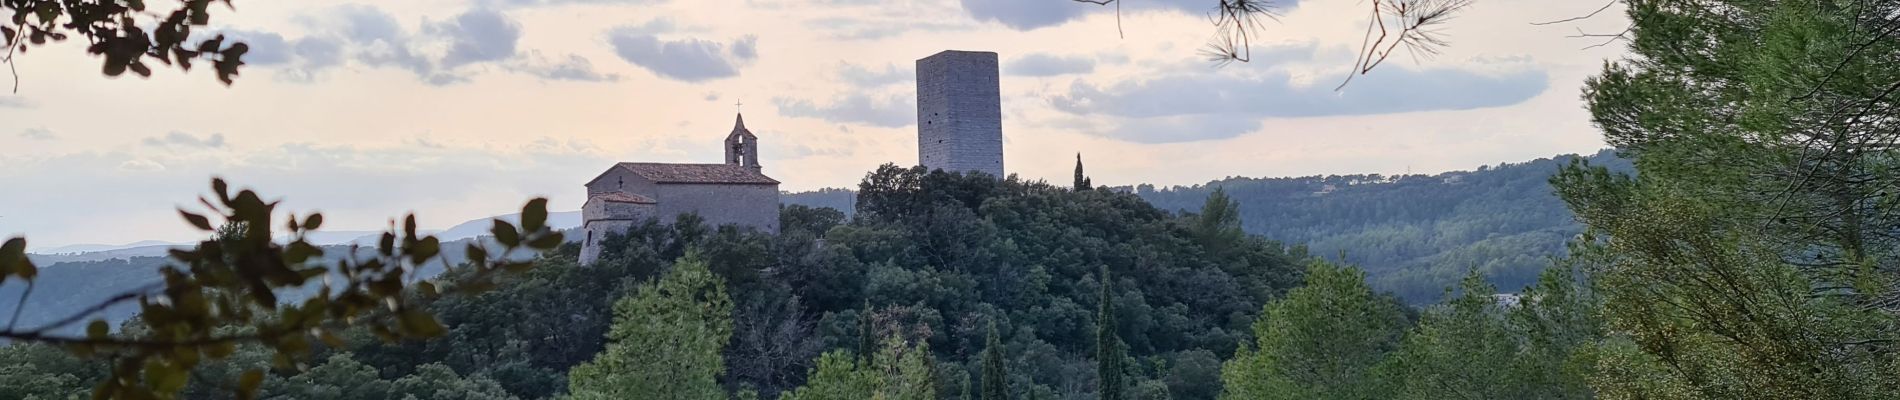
{"x":1414,"y":234}
{"x":72,"y":281}
{"x":95,"y":248}
{"x":84,"y":280}
{"x":839,"y":199}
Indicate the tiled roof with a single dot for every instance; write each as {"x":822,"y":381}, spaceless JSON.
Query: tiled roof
{"x":698,"y":173}
{"x":624,"y":197}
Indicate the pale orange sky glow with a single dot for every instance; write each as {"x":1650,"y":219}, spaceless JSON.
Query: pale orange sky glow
{"x":464,"y":109}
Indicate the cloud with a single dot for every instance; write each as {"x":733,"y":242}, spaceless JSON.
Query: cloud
{"x":299,"y":60}
{"x":886,"y":111}
{"x":480,"y":35}
{"x":542,"y":3}
{"x":746,"y":48}
{"x":857,"y":20}
{"x":379,"y":41}
{"x":181,"y":139}
{"x":1176,"y":108}
{"x":141,"y":165}
{"x":366,"y":35}
{"x":9,"y":101}
{"x":439,"y":53}
{"x":573,"y":68}
{"x":861,"y":76}
{"x":1181,"y":128}
{"x":687,"y":60}
{"x":1028,"y":15}
{"x":881,"y":27}
{"x":318,"y":53}
{"x":1040,"y":64}
{"x":40,"y":133}
{"x":266,"y":48}
{"x":656,"y":26}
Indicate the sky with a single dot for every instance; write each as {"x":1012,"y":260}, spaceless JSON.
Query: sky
{"x":462,"y":109}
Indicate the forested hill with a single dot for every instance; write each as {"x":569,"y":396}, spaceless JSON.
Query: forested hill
{"x":939,"y":260}
{"x":1414,"y":234}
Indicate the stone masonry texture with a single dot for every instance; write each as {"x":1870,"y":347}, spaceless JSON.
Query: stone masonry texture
{"x":960,"y":112}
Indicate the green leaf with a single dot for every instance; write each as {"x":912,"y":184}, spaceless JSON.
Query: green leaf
{"x":298,"y":252}
{"x":98,"y":329}
{"x":166,"y":378}
{"x":11,"y":255}
{"x":387,"y":246}
{"x":476,"y":254}
{"x":220,"y":350}
{"x":313,"y":221}
{"x":420,"y":323}
{"x":248,"y":383}
{"x":25,"y":269}
{"x":13,"y":260}
{"x":425,"y":249}
{"x":534,"y":216}
{"x":546,"y":242}
{"x":196,"y":220}
{"x":331,"y":339}
{"x":506,"y":234}
{"x":112,"y":67}
{"x":48,"y":11}
{"x":218,"y":185}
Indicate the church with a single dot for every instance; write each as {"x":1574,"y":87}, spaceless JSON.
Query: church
{"x":735,"y":192}
{"x":959,"y":129}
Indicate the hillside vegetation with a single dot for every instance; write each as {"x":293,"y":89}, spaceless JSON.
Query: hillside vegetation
{"x":933,"y":259}
{"x":1415,"y":235}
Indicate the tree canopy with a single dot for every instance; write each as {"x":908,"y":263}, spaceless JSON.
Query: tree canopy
{"x":666,"y":341}
{"x":125,"y":34}
{"x":225,"y":293}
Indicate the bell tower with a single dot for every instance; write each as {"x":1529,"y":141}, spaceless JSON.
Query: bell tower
{"x":742,"y":148}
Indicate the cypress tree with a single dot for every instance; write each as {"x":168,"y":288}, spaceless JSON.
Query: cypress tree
{"x":1108,"y":351}
{"x":995,"y":377}
{"x":1081,"y":181}
{"x":867,"y":340}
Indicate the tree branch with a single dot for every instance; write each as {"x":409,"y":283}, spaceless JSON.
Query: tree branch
{"x":82,"y":314}
{"x":20,"y":307}
{"x":1592,"y":14}
{"x":1118,"y":14}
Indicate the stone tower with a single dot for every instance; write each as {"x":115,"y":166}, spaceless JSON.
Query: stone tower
{"x":742,"y":148}
{"x":960,"y":112}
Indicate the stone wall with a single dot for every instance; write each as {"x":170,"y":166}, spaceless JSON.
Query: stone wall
{"x":720,"y":204}
{"x":959,"y":112}
{"x":747,"y":205}
{"x":618,"y":179}
{"x":601,"y":218}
